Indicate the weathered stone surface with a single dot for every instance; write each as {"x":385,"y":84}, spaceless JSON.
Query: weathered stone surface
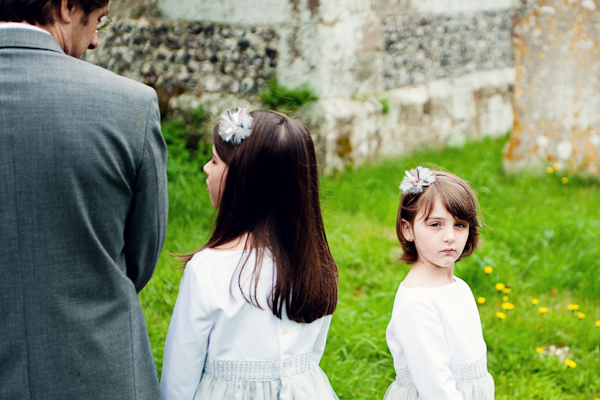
{"x":189,"y":56}
{"x":433,"y":67}
{"x":234,"y":12}
{"x":331,"y":58}
{"x":423,"y":47}
{"x":437,"y":114}
{"x":444,"y":6}
{"x":135,"y":9}
{"x":557,"y":94}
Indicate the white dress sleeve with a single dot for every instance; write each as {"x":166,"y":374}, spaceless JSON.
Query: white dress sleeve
{"x":187,"y":339}
{"x":419,"y":330}
{"x":319,"y":347}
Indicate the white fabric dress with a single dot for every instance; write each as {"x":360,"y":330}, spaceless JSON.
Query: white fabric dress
{"x":436,"y":340}
{"x":219,"y":346}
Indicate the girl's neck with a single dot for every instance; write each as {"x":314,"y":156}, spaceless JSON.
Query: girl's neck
{"x":423,"y":275}
{"x":239,"y":243}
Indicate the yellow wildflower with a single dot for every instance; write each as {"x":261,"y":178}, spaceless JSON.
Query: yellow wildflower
{"x":570,"y":363}
{"x":481,"y":300}
{"x":539,"y":350}
{"x":543,"y":310}
{"x":580,"y":315}
{"x":506,"y":290}
{"x":504,"y":298}
{"x":500,"y":286}
{"x":564,"y":180}
{"x":508,"y":306}
{"x":534,"y":302}
{"x":549,"y":170}
{"x":556,"y":166}
{"x":573,"y":307}
{"x":488,"y":270}
{"x":598,"y":324}
{"x":500,"y":315}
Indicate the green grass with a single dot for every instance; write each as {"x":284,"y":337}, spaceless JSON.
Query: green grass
{"x":541,"y":237}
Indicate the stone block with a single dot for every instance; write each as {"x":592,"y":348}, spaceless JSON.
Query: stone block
{"x":556,"y":94}
{"x":384,"y":8}
{"x":446,"y":6}
{"x":331,"y":11}
{"x":230,"y":12}
{"x":330,"y":58}
{"x":441,"y":113}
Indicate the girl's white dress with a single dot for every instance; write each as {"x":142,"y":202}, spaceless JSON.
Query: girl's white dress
{"x":436,"y":340}
{"x":219,"y":346}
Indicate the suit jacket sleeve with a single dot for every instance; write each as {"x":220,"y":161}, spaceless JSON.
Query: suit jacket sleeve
{"x":146,"y":223}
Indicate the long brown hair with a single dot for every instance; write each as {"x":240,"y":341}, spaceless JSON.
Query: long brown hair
{"x":457,"y":197}
{"x":271,"y":193}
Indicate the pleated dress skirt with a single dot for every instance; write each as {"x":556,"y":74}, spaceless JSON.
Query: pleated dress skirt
{"x":293,"y":378}
{"x":473,"y":381}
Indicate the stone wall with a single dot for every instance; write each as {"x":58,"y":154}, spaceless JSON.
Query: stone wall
{"x":190,"y":56}
{"x":420,"y":48}
{"x":445,"y":112}
{"x":556,"y":93}
{"x":442,"y":67}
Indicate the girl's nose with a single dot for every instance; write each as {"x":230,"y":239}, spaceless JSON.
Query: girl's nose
{"x":449,"y":235}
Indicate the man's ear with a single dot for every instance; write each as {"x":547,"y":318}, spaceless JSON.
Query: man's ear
{"x":407,"y":230}
{"x":66,"y":11}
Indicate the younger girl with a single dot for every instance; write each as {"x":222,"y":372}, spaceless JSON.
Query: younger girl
{"x":255,"y":303}
{"x":435,"y":333}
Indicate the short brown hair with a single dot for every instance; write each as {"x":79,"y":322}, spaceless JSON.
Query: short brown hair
{"x":40,"y":11}
{"x":455,"y":194}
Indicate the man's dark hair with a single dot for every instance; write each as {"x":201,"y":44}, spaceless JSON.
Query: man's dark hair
{"x":41,"y":11}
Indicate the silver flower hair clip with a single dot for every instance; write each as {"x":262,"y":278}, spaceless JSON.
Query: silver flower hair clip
{"x":416,"y":179}
{"x":235,"y":125}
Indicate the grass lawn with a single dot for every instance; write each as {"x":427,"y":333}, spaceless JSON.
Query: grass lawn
{"x":541,"y":239}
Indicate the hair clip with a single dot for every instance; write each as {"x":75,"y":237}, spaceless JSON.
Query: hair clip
{"x":235,"y":125}
{"x":416,"y":179}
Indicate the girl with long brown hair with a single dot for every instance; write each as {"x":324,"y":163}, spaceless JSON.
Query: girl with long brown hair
{"x":255,"y":303}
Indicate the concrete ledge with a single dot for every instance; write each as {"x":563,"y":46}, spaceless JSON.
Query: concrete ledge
{"x":437,"y":114}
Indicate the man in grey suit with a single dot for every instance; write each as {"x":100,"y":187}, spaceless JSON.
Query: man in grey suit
{"x":83,"y":210}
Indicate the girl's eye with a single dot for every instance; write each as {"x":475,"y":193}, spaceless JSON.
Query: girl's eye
{"x":435,"y":224}
{"x":461,"y":225}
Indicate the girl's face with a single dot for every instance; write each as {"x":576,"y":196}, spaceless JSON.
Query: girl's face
{"x":216,"y":169}
{"x":439,"y":239}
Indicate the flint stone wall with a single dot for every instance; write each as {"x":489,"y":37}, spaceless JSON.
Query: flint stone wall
{"x":425,"y":47}
{"x":443,"y":69}
{"x":190,"y":56}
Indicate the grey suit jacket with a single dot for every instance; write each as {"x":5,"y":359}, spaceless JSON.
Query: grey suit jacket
{"x":83,"y":209}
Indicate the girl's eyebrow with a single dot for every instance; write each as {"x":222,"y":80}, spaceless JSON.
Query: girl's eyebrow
{"x":434,"y":217}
